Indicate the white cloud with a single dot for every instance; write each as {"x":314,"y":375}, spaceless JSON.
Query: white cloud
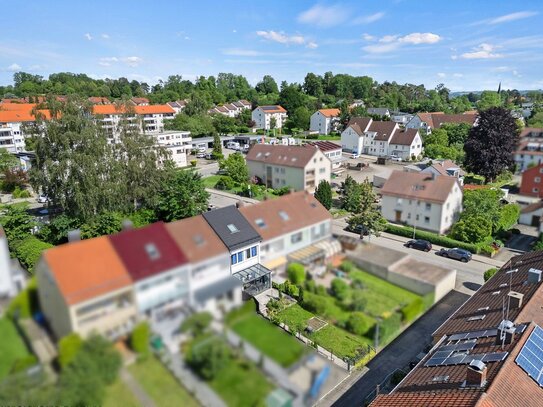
{"x":187,"y":37}
{"x":369,"y":19}
{"x":132,"y":61}
{"x":513,"y":17}
{"x":458,"y":75}
{"x":483,"y":51}
{"x":324,"y":16}
{"x":105,"y":36}
{"x":14,"y":67}
{"x":389,"y":43}
{"x":88,"y":36}
{"x":368,"y":37}
{"x":234,"y":31}
{"x":312,"y":45}
{"x":281,"y":37}
{"x":239,"y":52}
{"x":107,"y":61}
{"x":441,"y":75}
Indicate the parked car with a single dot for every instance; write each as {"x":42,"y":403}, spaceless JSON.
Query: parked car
{"x":419,"y":244}
{"x":457,"y":254}
{"x":358,"y":229}
{"x":394,"y":157}
{"x":355,"y":155}
{"x":43,"y":199}
{"x":200,"y":155}
{"x":208,"y":156}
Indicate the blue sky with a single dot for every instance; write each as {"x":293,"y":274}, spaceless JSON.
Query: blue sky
{"x":468,"y":45}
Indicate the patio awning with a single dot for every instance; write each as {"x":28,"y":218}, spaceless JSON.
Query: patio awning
{"x":252,"y":273}
{"x":275,"y":263}
{"x":330,"y":247}
{"x":307,"y":255}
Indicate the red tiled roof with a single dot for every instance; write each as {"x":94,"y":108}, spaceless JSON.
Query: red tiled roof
{"x":113,"y":109}
{"x":87,"y":269}
{"x":272,"y":109}
{"x":404,"y":137}
{"x":288,"y":156}
{"x":420,"y":186}
{"x":325,"y":145}
{"x":359,"y":124}
{"x":134,"y":247}
{"x":330,"y":112}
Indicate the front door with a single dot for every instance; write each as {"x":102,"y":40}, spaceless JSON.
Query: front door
{"x":536,"y":221}
{"x":398,"y":216}
{"x":269,"y":177}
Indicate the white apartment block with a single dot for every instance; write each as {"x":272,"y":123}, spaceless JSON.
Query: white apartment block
{"x":179,"y":143}
{"x":263,"y":115}
{"x":324,"y":121}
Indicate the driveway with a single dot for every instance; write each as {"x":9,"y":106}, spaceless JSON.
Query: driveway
{"x":397,"y":355}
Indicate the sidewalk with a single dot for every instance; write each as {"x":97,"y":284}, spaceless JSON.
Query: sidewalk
{"x":232,"y":196}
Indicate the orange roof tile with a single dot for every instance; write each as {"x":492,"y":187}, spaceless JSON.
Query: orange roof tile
{"x":113,"y":109}
{"x":87,"y":269}
{"x":330,"y":112}
{"x":17,"y":106}
{"x":22,"y":116}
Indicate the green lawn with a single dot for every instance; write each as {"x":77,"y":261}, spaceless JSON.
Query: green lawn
{"x":269,"y":339}
{"x":12,"y":346}
{"x":382,"y":296}
{"x":119,"y":395}
{"x":241,"y":384}
{"x":209,"y":182}
{"x":160,"y":385}
{"x":337,"y":340}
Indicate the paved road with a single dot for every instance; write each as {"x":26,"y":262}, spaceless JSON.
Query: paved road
{"x":469,"y":276}
{"x":398,"y":354}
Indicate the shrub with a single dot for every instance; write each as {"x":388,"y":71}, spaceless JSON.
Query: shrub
{"x":225,"y":183}
{"x":412,"y":310}
{"x":312,"y":137}
{"x":311,"y":286}
{"x":193,"y":163}
{"x":431,"y":237}
{"x":515,"y":231}
{"x":347,"y":266}
{"x":197,"y":323}
{"x":489,"y":273}
{"x":359,"y":323}
{"x":24,"y":363}
{"x":281,"y":191}
{"x":340,"y":289}
{"x":208,"y":357}
{"x":388,"y":327}
{"x":296,"y":273}
{"x":29,"y":251}
{"x":139,"y":339}
{"x":290,"y":289}
{"x":25,"y":304}
{"x":314,"y":303}
{"x":68,"y":347}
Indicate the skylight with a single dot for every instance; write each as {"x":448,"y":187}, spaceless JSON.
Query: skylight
{"x":477,"y":317}
{"x":284,"y":215}
{"x":198,"y":239}
{"x":152,"y":251}
{"x":260,"y":223}
{"x":232,"y":228}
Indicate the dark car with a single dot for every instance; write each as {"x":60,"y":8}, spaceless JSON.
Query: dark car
{"x":419,"y":244}
{"x":457,"y":254}
{"x":358,"y":229}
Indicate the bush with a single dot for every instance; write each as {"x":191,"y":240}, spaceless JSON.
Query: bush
{"x":431,"y":237}
{"x":281,"y":191}
{"x":389,"y":327}
{"x":68,"y":347}
{"x":193,"y":163}
{"x":412,"y":310}
{"x":29,"y":251}
{"x":538,"y":244}
{"x":208,"y":357}
{"x":340,"y":289}
{"x":139,"y":339}
{"x":197,"y":323}
{"x":23,"y":363}
{"x":312,"y":137}
{"x":20,"y":193}
{"x":489,"y":273}
{"x":296,"y":273}
{"x":347,"y":266}
{"x":314,"y":303}
{"x":25,"y":304}
{"x":359,"y":323}
{"x":515,"y":231}
{"x":225,"y":183}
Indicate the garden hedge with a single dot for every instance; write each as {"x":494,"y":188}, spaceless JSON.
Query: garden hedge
{"x":359,"y":323}
{"x":412,"y":310}
{"x":431,"y":237}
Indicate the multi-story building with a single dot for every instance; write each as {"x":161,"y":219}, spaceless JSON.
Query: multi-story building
{"x":158,"y":268}
{"x":243,"y":244}
{"x":178,"y":143}
{"x":265,"y":116}
{"x":489,"y":352}
{"x":532,"y":181}
{"x":425,"y":201}
{"x":178,"y":105}
{"x":291,"y":225}
{"x":13,"y":119}
{"x":380,"y":138}
{"x":324,"y":121}
{"x":529,"y":151}
{"x":298,"y":167}
{"x":84,"y":287}
{"x":330,"y":150}
{"x":13,"y":279}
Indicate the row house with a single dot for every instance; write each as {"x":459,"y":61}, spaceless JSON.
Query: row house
{"x":99,"y":100}
{"x":14,"y":120}
{"x":298,"y":167}
{"x":204,"y":263}
{"x":364,"y":135}
{"x":268,"y":117}
{"x":422,"y":200}
{"x":231,"y":109}
{"x":139,"y":101}
{"x":529,"y":150}
{"x":178,"y":105}
{"x":434,"y":120}
{"x":324,"y":121}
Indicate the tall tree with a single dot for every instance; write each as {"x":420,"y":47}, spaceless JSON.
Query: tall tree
{"x":217,"y":148}
{"x":267,"y":85}
{"x":490,"y":145}
{"x":7,"y":160}
{"x":489,"y":99}
{"x":369,"y":216}
{"x":351,"y":195}
{"x":235,"y":167}
{"x":323,"y":194}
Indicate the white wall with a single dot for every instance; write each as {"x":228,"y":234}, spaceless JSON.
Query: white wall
{"x":281,"y":175}
{"x":351,"y":141}
{"x":7,"y":288}
{"x":320,"y":123}
{"x":525,"y":159}
{"x":262,"y":119}
{"x":246,"y":262}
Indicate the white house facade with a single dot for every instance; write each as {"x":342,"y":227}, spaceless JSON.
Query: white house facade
{"x":324,"y":121}
{"x":263,"y":116}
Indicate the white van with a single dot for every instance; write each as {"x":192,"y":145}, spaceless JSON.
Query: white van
{"x":233,"y":145}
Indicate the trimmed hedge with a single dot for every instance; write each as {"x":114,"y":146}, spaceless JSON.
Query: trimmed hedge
{"x":412,"y":310}
{"x":359,"y":323}
{"x":431,"y":237}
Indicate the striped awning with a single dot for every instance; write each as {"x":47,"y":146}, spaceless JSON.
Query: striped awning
{"x":307,"y":255}
{"x":331,"y":247}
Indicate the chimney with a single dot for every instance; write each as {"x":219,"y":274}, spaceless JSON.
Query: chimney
{"x":506,"y":333}
{"x":515,"y":300}
{"x":127,"y":225}
{"x":534,"y":276}
{"x":240,"y":204}
{"x":74,"y":235}
{"x":476,"y":373}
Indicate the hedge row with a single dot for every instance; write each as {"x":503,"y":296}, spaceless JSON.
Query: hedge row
{"x":431,"y":237}
{"x":412,"y":310}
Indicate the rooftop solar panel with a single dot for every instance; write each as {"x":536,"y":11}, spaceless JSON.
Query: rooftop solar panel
{"x":530,"y":358}
{"x":494,"y":357}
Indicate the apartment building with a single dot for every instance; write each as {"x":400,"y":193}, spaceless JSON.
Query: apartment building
{"x":84,"y":287}
{"x":158,"y":268}
{"x":324,"y":121}
{"x":268,"y":117}
{"x":425,"y":201}
{"x":529,"y":151}
{"x":434,"y":120}
{"x":14,"y":117}
{"x":298,"y":167}
{"x":296,"y":225}
{"x":489,"y":352}
{"x":331,"y":150}
{"x":178,"y":143}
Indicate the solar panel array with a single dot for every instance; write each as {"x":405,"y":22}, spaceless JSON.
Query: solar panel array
{"x":530,"y":358}
{"x":465,"y":358}
{"x":484,"y":333}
